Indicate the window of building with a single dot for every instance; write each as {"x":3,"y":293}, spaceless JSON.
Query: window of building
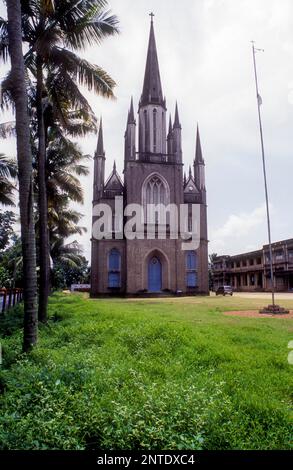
{"x":258,"y":261}
{"x":290,"y":254}
{"x":114,"y":269}
{"x":279,"y":255}
{"x":155,"y":190}
{"x":155,"y":130}
{"x":146,"y":130}
{"x":251,"y":262}
{"x":191,"y":274}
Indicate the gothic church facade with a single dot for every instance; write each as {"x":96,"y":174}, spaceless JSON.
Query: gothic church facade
{"x":153,"y":172}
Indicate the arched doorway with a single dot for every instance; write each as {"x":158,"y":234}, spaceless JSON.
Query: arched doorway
{"x":154,"y":275}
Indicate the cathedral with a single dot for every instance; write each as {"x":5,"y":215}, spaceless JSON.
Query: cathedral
{"x":153,"y":172}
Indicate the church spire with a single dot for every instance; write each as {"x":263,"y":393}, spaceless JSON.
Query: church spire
{"x":199,"y":165}
{"x":152,"y":88}
{"x":170,"y":138}
{"x":176,"y":120}
{"x":131,"y":119}
{"x":198,"y":151}
{"x":99,"y":165}
{"x":100,"y":146}
{"x":170,"y":126}
{"x":129,"y":136}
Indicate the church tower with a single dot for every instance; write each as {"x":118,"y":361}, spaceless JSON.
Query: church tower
{"x":148,"y":263}
{"x":152,"y":105}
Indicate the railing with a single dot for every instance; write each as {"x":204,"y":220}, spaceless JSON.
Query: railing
{"x":9,"y":298}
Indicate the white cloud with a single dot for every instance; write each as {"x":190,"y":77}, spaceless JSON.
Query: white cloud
{"x":240,"y":225}
{"x":237,"y":230}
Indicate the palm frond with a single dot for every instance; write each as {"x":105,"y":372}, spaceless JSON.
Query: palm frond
{"x":68,"y":184}
{"x":8,"y":167}
{"x":7,"y":129}
{"x":6,"y":192}
{"x":93,"y":28}
{"x":93,"y":77}
{"x":4,"y":54}
{"x":6,"y":100}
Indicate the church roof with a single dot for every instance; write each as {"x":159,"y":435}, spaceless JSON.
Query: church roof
{"x":152,"y":88}
{"x":114,"y":182}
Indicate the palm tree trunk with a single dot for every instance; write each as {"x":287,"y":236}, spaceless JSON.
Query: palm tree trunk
{"x":24,"y":159}
{"x":43,"y":205}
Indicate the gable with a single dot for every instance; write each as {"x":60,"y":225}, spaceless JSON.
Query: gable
{"x":190,"y":187}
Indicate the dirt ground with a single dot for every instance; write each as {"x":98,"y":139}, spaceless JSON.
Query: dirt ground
{"x":256,"y":314}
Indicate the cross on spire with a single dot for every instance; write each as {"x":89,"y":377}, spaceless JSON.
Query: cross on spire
{"x":152,"y":16}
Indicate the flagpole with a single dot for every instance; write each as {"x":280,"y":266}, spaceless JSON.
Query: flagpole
{"x":264,"y":175}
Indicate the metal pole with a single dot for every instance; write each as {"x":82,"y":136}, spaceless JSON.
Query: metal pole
{"x":264,"y":175}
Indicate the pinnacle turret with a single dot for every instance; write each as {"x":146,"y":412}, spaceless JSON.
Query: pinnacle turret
{"x":198,"y":151}
{"x":100,"y":146}
{"x":176,"y":120}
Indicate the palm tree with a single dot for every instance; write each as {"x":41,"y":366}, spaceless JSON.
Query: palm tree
{"x":50,"y":31}
{"x":8,"y":170}
{"x":24,"y":158}
{"x":53,"y":30}
{"x":64,"y":166}
{"x":67,"y":253}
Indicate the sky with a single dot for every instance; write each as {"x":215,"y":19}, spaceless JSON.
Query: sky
{"x":205,"y":57}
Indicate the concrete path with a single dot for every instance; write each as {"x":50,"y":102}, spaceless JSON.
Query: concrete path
{"x":264,"y":295}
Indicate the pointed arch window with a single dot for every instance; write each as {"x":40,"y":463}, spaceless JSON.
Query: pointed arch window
{"x":114,"y":269}
{"x":155,"y":191}
{"x":191,"y":266}
{"x":155,"y":130}
{"x":146,"y":131}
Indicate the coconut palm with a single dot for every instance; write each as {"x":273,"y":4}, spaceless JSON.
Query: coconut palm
{"x":53,"y":31}
{"x":24,"y":158}
{"x":64,"y":166}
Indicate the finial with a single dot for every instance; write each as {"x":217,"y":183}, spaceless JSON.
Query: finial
{"x":152,"y":16}
{"x":114,"y":167}
{"x":190,"y":173}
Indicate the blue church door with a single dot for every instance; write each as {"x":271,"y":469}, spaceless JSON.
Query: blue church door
{"x":154,"y":275}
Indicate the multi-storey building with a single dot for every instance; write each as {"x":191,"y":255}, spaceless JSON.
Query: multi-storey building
{"x":251,"y":271}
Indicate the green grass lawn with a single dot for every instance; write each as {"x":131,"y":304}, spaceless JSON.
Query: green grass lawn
{"x":148,"y":374}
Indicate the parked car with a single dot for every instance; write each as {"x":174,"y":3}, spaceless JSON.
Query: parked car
{"x":224,"y":290}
